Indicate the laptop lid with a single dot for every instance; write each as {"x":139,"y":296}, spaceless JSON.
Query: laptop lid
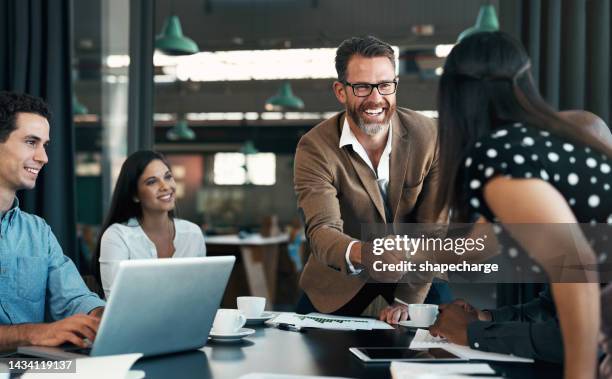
{"x":161,"y":306}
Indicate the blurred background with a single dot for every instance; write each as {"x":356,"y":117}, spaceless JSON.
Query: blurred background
{"x":225,"y":89}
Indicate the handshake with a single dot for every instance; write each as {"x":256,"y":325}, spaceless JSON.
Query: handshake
{"x":391,"y":265}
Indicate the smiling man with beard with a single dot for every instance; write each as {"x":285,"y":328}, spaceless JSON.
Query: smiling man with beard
{"x":372,"y":163}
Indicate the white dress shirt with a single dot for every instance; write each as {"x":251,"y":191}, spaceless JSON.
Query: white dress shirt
{"x":381,"y":172}
{"x":128,"y":241}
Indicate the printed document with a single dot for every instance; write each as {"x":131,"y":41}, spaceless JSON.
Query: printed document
{"x":323,"y":321}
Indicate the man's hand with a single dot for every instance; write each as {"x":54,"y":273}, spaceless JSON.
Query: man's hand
{"x":97,"y":312}
{"x":72,"y":329}
{"x":388,"y":258}
{"x":452,"y":323}
{"x":394,"y":313}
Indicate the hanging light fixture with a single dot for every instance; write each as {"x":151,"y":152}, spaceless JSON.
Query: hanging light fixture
{"x":486,"y":22}
{"x":77,"y":107}
{"x":171,"y":40}
{"x":180,"y":131}
{"x":284,"y":100}
{"x":248,"y":148}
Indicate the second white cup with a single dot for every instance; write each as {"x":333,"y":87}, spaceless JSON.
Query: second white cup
{"x":251,"y":306}
{"x":423,"y":314}
{"x":228,"y":321}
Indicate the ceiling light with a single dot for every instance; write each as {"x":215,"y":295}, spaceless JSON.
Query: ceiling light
{"x":171,"y":41}
{"x":284,"y":100}
{"x":243,"y":65}
{"x":77,"y":107}
{"x":249,"y":148}
{"x":486,"y":22}
{"x":181,"y":131}
{"x":118,"y":60}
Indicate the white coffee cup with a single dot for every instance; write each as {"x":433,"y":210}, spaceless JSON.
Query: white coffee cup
{"x":251,"y":306}
{"x":423,"y":314}
{"x":228,"y":321}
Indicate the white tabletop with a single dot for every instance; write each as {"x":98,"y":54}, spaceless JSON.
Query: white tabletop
{"x":252,"y":239}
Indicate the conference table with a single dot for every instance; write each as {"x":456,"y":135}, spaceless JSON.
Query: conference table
{"x":312,"y":352}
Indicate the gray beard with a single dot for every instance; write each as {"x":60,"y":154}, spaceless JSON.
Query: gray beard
{"x":370,"y":129}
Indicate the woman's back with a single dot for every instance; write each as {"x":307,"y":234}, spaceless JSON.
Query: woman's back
{"x":580,"y":174}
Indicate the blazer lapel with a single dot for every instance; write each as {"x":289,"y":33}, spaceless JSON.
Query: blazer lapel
{"x":366,"y":176}
{"x":400,"y":153}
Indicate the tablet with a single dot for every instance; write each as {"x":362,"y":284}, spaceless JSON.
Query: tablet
{"x":389,"y":354}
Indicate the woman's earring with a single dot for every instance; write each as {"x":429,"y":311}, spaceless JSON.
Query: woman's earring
{"x":136,"y":200}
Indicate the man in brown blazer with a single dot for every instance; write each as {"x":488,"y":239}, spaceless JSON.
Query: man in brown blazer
{"x":372,"y":163}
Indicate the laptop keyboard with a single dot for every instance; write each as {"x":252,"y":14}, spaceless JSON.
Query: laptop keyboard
{"x":75,"y":349}
{"x":84,"y":351}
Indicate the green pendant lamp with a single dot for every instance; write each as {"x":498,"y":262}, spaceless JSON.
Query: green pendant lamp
{"x":284,"y":100}
{"x":77,"y":107}
{"x":171,"y":41}
{"x":486,"y":22}
{"x":249,"y":148}
{"x":180,"y":131}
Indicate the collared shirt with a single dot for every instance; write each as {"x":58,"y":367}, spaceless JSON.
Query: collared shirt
{"x":35,"y":275}
{"x":381,"y":172}
{"x":128,"y":241}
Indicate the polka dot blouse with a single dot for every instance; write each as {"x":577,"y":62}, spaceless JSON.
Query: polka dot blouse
{"x":582,"y":175}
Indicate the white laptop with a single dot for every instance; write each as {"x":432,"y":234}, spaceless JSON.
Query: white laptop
{"x":157,"y":306}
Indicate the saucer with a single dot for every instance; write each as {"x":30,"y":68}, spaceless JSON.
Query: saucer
{"x":261,"y":319}
{"x":413,"y":324}
{"x":231,"y":337}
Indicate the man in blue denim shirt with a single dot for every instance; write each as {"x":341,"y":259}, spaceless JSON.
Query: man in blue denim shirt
{"x":35,"y":276}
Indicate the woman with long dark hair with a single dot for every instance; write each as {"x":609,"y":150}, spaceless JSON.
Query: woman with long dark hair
{"x":510,"y":158}
{"x":140,"y":223}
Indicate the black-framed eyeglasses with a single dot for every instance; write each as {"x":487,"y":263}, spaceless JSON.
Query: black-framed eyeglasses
{"x":365,"y":89}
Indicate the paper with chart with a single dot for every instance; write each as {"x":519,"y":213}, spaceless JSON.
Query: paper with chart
{"x":424,"y":340}
{"x":406,"y":370}
{"x":323,"y":321}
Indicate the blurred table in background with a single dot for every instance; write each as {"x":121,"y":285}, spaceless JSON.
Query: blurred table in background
{"x":259,"y":256}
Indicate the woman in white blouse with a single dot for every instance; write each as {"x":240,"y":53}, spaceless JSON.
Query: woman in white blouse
{"x":141,"y":223}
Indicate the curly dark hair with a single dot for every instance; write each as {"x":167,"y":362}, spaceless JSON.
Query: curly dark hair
{"x":12,"y":103}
